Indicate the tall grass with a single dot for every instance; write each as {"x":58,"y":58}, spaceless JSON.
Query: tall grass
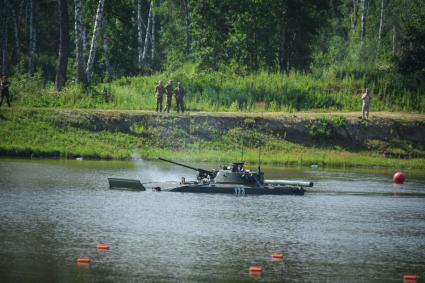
{"x":332,"y":89}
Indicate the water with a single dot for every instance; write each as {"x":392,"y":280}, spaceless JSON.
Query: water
{"x":353,"y":226}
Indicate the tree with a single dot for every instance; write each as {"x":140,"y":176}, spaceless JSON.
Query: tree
{"x":4,"y":36}
{"x":79,"y":42}
{"x":412,"y":58}
{"x":32,"y":38}
{"x":364,"y":15}
{"x":96,"y":30}
{"x":139,"y":34}
{"x":63,"y":44}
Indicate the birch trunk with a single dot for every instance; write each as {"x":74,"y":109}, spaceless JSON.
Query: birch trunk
{"x":354,"y":15}
{"x":139,"y":34}
{"x":108,"y":66}
{"x":381,"y":21}
{"x":188,"y":28}
{"x":63,"y":44}
{"x":79,"y":42}
{"x":32,"y":39}
{"x":96,"y":30}
{"x":282,"y":52}
{"x":364,"y":15}
{"x":4,"y":43}
{"x":17,"y":49}
{"x":153,"y":31}
{"x":395,"y":40}
{"x":147,"y":35}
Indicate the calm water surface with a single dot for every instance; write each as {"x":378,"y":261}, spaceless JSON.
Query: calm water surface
{"x":353,"y":226}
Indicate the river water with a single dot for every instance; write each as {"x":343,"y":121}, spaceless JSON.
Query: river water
{"x":353,"y":226}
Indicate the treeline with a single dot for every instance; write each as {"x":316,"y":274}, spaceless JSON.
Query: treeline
{"x":90,"y":41}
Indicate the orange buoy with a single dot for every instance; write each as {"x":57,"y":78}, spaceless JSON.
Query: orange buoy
{"x":399,"y":178}
{"x":255,"y":269}
{"x":102,"y":247}
{"x":84,"y":260}
{"x":409,"y":278}
{"x":277,"y":256}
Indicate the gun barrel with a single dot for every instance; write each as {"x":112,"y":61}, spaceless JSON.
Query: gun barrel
{"x":183,"y":165}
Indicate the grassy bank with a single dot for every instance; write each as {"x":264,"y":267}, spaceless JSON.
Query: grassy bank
{"x":52,"y":133}
{"x":330,"y":89}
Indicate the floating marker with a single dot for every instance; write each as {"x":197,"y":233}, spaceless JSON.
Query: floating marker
{"x":255,"y":269}
{"x":409,"y":278}
{"x":102,"y":247}
{"x":277,"y":256}
{"x":399,"y":178}
{"x":84,"y":260}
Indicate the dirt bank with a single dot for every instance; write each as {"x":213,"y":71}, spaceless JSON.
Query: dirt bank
{"x":399,"y":134}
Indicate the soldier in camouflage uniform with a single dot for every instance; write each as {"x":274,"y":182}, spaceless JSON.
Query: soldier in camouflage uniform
{"x":366,"y":97}
{"x":169,"y":90}
{"x":179,"y":93}
{"x":5,"y":91}
{"x":159,"y":92}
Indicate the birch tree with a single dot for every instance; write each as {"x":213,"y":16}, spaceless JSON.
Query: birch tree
{"x":145,"y":49}
{"x":96,"y":30}
{"x":79,"y":47}
{"x":32,"y":38}
{"x":17,"y":47}
{"x":381,"y":21}
{"x":364,"y":15}
{"x":63,"y":44}
{"x":4,"y":43}
{"x":153,"y":30}
{"x":106,"y":40}
{"x":139,"y":34}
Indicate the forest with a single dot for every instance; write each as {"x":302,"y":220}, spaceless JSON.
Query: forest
{"x":230,"y":55}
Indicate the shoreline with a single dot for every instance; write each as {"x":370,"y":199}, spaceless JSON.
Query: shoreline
{"x":334,"y":140}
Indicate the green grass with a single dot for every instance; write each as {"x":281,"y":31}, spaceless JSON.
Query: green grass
{"x":330,"y":89}
{"x":54,"y":133}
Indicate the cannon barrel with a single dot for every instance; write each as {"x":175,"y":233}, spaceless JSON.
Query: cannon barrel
{"x":200,"y":170}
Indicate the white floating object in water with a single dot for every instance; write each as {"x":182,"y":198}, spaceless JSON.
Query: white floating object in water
{"x":79,"y":158}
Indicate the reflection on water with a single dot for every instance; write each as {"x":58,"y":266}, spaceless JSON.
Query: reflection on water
{"x":353,"y":226}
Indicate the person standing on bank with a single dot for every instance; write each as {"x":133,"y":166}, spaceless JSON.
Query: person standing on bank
{"x":169,"y":90}
{"x":366,"y":97}
{"x":5,"y":90}
{"x":179,"y":93}
{"x":159,"y":91}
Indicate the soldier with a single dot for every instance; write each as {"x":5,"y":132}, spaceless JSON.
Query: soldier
{"x":169,"y":90}
{"x":5,"y":90}
{"x":179,"y":93}
{"x":159,"y":91}
{"x":366,"y":97}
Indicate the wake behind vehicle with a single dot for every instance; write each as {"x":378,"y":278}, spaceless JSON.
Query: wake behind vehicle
{"x":233,"y":179}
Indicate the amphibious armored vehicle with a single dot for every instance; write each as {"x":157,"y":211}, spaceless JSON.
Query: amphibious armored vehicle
{"x":233,"y":179}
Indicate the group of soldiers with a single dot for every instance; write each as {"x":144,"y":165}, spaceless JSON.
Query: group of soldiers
{"x":5,"y":90}
{"x":178,"y":92}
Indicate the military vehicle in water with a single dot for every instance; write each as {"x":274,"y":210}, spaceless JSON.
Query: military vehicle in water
{"x":233,"y":179}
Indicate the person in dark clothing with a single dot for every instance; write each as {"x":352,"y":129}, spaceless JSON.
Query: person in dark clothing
{"x":179,"y":93}
{"x":159,"y":92}
{"x":169,"y":90}
{"x":5,"y":90}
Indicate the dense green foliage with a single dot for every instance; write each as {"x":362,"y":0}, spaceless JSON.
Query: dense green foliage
{"x":221,"y":91}
{"x":316,"y":38}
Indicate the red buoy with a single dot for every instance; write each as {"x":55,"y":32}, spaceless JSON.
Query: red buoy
{"x":277,"y":256}
{"x":102,"y":247}
{"x":83,"y":260}
{"x":255,"y":269}
{"x":409,"y":278}
{"x":399,"y":178}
